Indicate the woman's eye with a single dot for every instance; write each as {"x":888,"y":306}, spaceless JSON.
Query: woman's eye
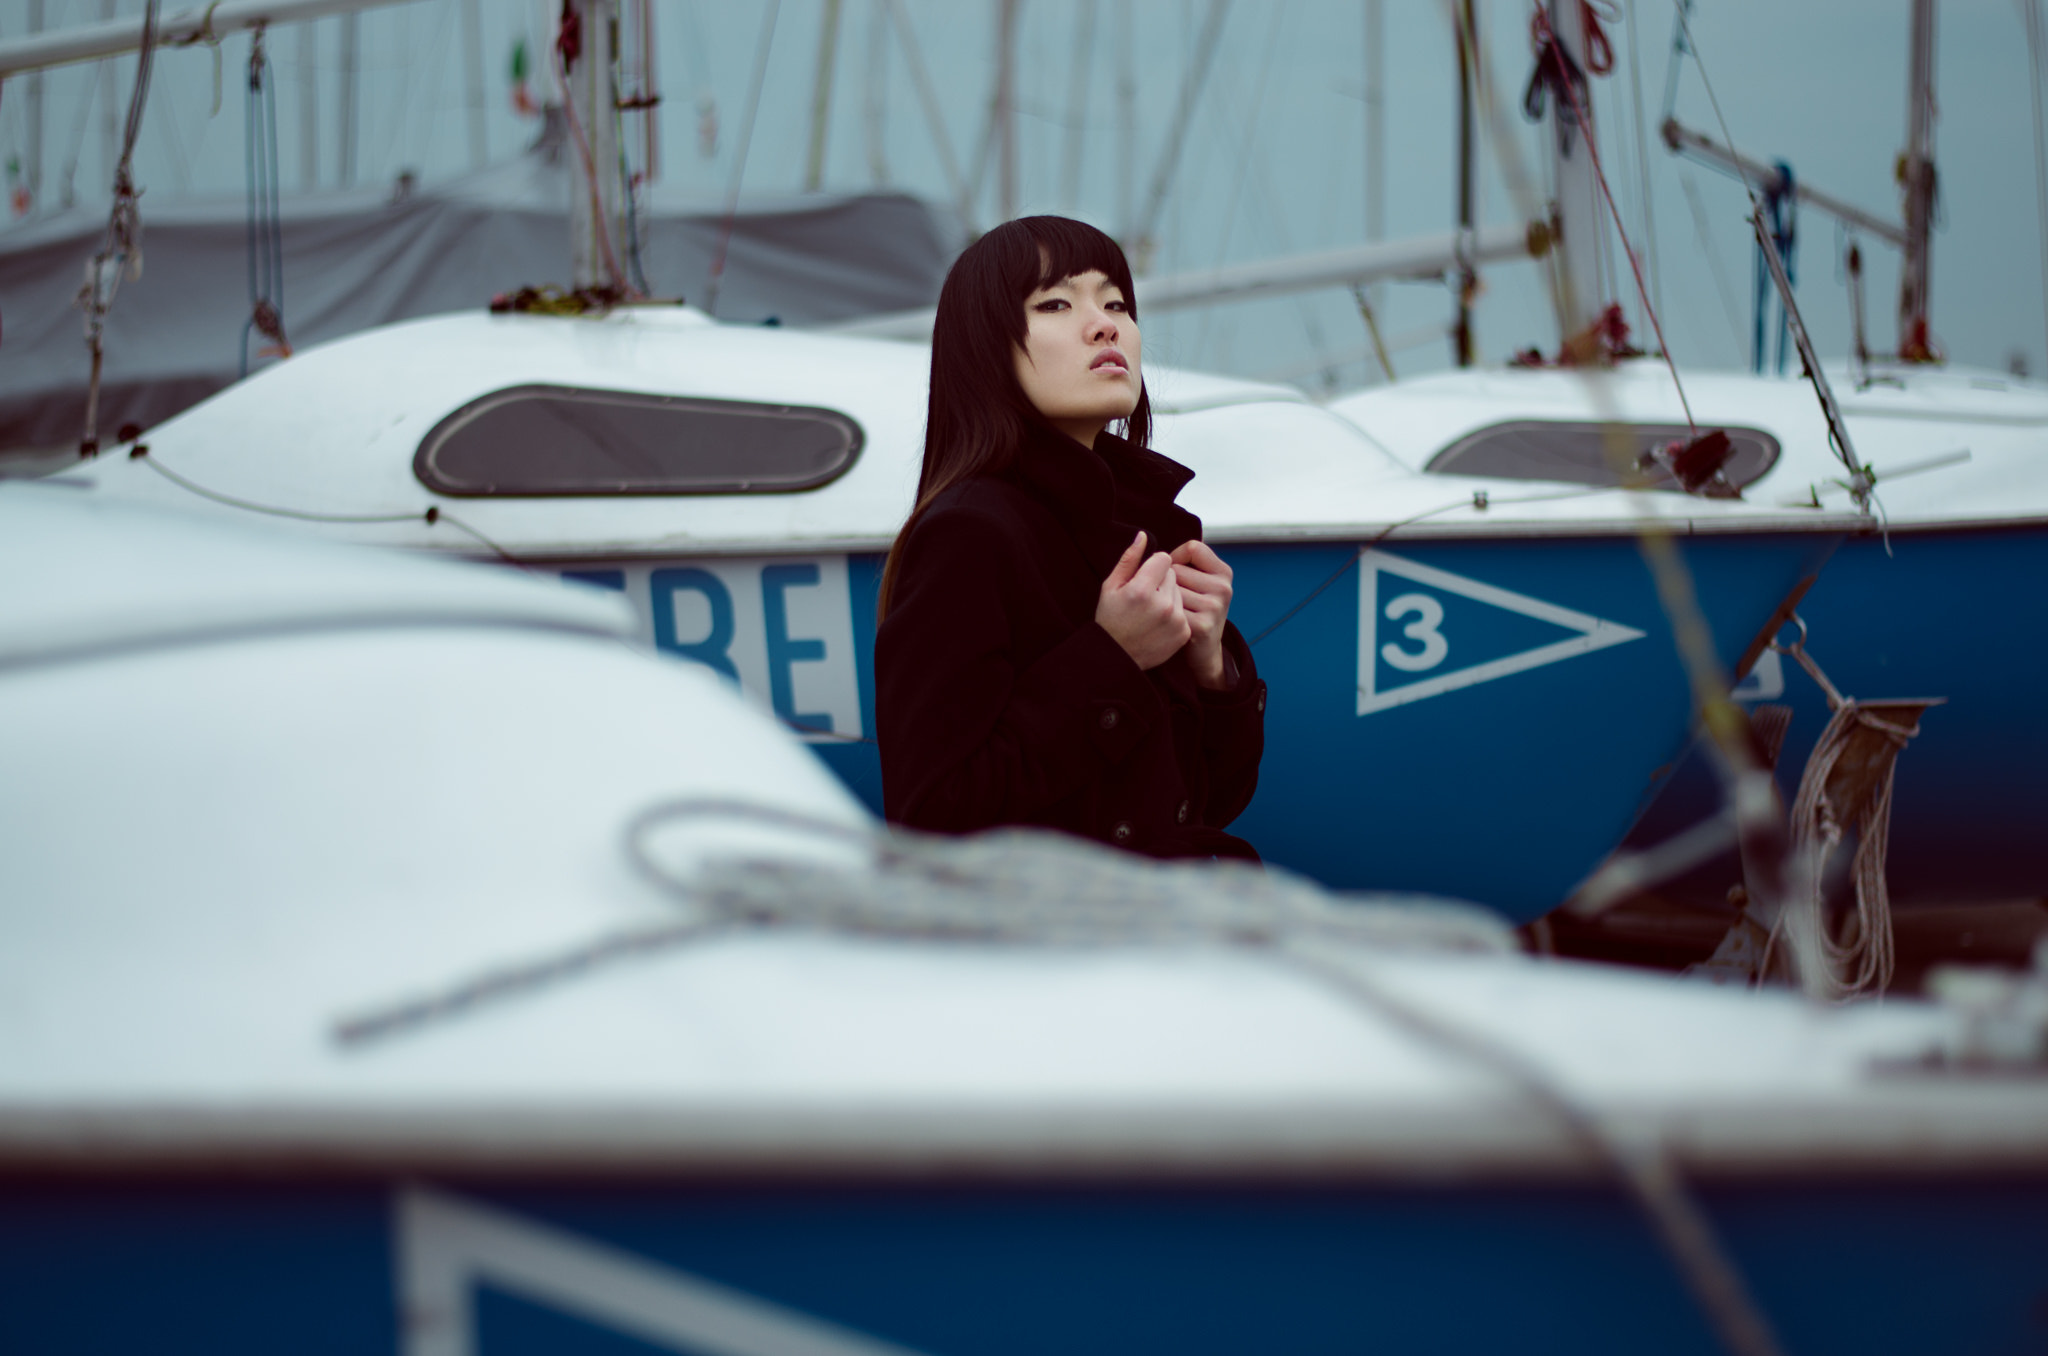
{"x":1115,"y":306}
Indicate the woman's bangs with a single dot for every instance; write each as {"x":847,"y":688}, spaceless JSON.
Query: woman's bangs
{"x":1070,"y":248}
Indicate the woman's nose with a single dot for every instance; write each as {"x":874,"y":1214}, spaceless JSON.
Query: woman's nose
{"x":1102,"y":325}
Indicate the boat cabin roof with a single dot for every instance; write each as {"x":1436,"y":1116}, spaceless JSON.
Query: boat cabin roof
{"x":658,"y":431}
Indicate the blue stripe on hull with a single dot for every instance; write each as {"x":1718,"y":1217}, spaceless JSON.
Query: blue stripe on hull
{"x":1508,"y":791}
{"x":230,"y":1268}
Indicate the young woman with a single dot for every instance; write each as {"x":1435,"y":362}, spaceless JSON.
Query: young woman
{"x":1055,"y":646}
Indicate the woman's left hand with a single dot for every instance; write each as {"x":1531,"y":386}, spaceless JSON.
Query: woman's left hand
{"x":1205,"y":601}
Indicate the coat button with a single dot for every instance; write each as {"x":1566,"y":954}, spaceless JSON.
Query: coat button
{"x":1122,"y":832}
{"x":1180,"y":816}
{"x":1108,"y":721}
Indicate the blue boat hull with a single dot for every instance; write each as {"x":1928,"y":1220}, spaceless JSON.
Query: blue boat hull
{"x":1946,"y":614}
{"x":967,"y":1269}
{"x":1482,"y":719}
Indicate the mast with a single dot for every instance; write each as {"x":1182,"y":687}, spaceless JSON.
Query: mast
{"x":1468,"y":277}
{"x":1126,"y":120}
{"x":1191,"y":84}
{"x":597,"y":221}
{"x":874,"y":95}
{"x":110,"y":108}
{"x":35,"y":113}
{"x":473,"y":81}
{"x":821,"y":97}
{"x":345,"y":129}
{"x":1375,"y":133}
{"x":1078,"y":86}
{"x":1578,"y":203}
{"x":1916,"y":177}
{"x":309,"y":110}
{"x":1006,"y":109}
{"x":1375,"y":120}
{"x":649,"y":95}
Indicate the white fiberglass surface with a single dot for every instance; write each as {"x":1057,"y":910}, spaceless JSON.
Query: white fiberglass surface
{"x":334,"y":432}
{"x":91,"y":573}
{"x":1912,"y":425}
{"x":215,"y":853}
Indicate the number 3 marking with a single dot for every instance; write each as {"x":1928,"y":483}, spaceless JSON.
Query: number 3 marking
{"x":1429,"y":614}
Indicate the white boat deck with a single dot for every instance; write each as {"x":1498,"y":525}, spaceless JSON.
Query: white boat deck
{"x":334,"y":431}
{"x":224,"y":842}
{"x":1950,"y":446}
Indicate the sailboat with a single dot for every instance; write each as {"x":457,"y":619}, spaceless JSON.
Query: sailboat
{"x":394,"y":960}
{"x":1929,"y":606}
{"x":739,"y":486}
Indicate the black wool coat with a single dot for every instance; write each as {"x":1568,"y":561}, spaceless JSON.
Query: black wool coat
{"x":999,"y":700}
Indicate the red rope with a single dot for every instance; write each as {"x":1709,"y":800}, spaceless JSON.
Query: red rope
{"x":1599,"y":52}
{"x":567,"y":47}
{"x":1542,"y":25}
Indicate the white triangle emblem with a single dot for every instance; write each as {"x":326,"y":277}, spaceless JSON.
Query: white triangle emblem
{"x":1402,"y":629}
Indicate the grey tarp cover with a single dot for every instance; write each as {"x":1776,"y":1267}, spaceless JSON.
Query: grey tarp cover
{"x":356,"y":259}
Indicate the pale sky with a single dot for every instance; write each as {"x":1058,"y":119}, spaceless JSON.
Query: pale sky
{"x":1274,"y":159}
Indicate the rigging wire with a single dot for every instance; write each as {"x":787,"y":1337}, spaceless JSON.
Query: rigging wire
{"x":935,"y":121}
{"x":1477,"y":500}
{"x":121,"y":248}
{"x":1747,"y":788}
{"x":564,"y":51}
{"x":67,"y":193}
{"x":430,"y":516}
{"x":1838,"y":435}
{"x":739,"y":163}
{"x":633,"y":188}
{"x":1505,"y":141}
{"x":1681,"y":38}
{"x":1635,"y":74}
{"x":265,"y":229}
{"x":1244,"y":158}
{"x":1079,"y":86}
{"x":1704,"y":229}
{"x":1194,"y":76}
{"x":1614,"y":208}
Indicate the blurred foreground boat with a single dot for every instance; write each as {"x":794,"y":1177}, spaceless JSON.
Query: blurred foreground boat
{"x":394,"y":961}
{"x":1474,"y":683}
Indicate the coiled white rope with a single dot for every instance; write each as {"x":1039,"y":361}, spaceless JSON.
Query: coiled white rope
{"x":1855,"y":955}
{"x":1008,"y":886}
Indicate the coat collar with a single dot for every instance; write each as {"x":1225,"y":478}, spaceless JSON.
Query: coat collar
{"x":1107,"y":494}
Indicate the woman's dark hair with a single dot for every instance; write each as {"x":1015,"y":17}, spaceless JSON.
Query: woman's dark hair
{"x":977,"y":413}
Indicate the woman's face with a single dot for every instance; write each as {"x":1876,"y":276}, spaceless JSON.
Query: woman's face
{"x":1079,"y":364}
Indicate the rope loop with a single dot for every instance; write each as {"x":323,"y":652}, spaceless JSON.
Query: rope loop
{"x":1855,"y":954}
{"x":1556,"y":79}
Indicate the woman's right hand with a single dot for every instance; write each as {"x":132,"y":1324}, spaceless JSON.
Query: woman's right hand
{"x":1140,"y":606}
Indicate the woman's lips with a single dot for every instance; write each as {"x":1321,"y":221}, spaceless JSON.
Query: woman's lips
{"x":1110,"y":360}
